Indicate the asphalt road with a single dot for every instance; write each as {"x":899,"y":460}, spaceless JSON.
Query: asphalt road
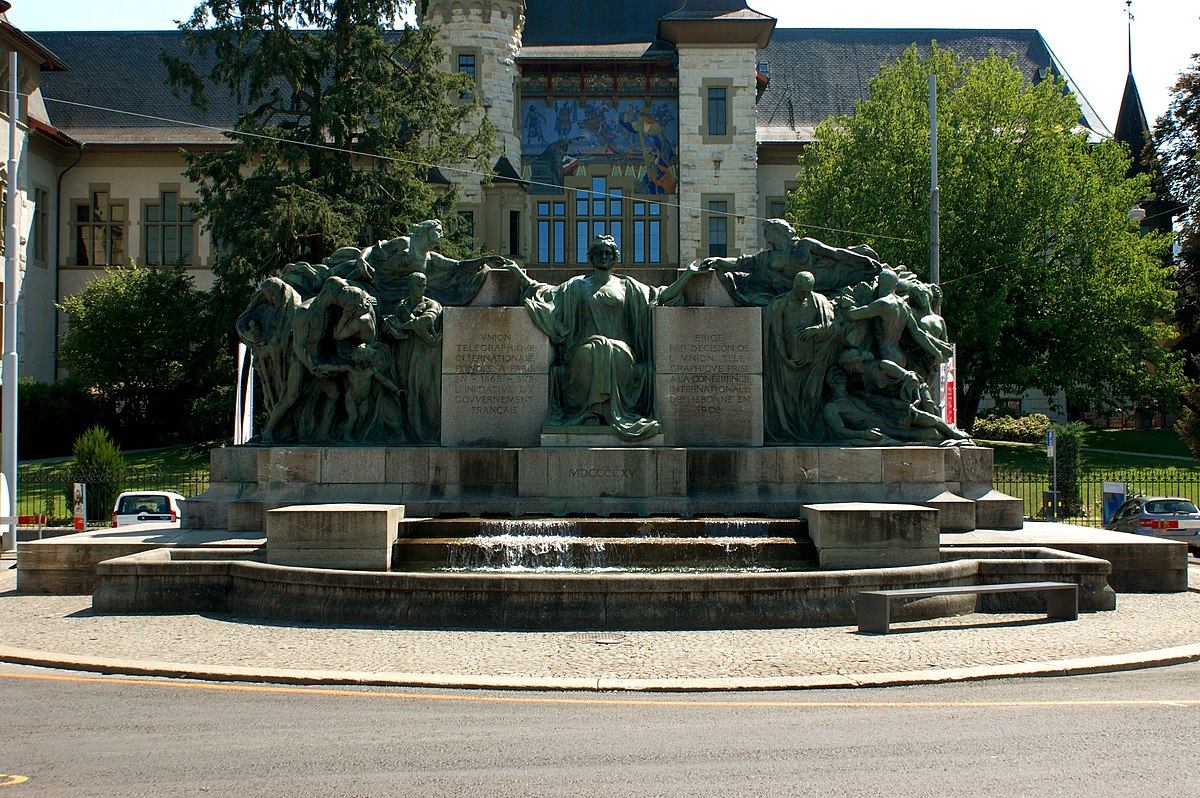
{"x":1121,"y":734}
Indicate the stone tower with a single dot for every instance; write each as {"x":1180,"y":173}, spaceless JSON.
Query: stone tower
{"x":717,"y":42}
{"x":483,"y":39}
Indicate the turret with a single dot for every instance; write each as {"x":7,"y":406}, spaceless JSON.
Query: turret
{"x":482,"y":39}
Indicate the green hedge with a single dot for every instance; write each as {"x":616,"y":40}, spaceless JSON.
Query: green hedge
{"x":1002,"y":427}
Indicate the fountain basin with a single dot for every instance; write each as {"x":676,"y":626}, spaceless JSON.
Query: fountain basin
{"x":191,"y":580}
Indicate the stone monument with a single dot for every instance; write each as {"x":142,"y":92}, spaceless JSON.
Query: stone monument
{"x":797,"y":386}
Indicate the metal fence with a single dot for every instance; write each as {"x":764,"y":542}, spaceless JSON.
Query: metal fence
{"x":1029,"y":487}
{"x":46,"y":492}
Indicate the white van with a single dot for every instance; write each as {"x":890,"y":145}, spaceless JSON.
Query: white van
{"x":147,"y":507}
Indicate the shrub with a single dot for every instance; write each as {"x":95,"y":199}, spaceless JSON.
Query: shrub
{"x":1003,"y":427}
{"x":1068,"y":440}
{"x":1188,"y":427}
{"x":99,"y":465}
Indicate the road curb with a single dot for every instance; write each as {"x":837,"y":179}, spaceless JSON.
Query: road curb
{"x":288,"y":676}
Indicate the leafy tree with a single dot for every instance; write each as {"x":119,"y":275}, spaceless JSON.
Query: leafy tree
{"x":343,"y":112}
{"x":1047,"y":283}
{"x":140,"y":339}
{"x":1178,"y":133}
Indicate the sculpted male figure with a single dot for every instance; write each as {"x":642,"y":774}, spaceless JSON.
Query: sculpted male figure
{"x":799,"y":343}
{"x":416,"y":332}
{"x":892,"y":318}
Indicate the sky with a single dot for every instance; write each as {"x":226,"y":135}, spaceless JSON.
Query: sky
{"x":1088,"y":36}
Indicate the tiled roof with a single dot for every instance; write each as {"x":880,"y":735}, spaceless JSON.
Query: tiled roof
{"x":121,"y":70}
{"x":1132,"y":129}
{"x":555,"y":22}
{"x":716,"y":9}
{"x":817,"y":73}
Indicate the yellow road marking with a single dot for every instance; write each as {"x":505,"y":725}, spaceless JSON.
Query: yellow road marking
{"x":8,"y":780}
{"x":653,"y":702}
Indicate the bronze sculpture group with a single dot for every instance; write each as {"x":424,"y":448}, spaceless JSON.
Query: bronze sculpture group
{"x":349,"y":350}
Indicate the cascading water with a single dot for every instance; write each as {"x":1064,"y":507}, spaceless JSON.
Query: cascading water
{"x":596,"y":545}
{"x":509,"y":552}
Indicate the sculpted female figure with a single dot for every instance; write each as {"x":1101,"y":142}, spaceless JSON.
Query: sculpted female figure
{"x":758,"y":278}
{"x":600,"y":324}
{"x":387,"y":265}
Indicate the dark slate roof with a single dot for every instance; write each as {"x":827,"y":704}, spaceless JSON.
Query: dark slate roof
{"x":716,"y":9}
{"x":555,"y":22}
{"x":817,"y":73}
{"x":1132,"y":128}
{"x":121,"y":70}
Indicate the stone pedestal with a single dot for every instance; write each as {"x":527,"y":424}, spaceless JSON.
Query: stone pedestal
{"x":590,"y":474}
{"x":708,"y":383}
{"x":494,"y":377}
{"x":356,"y":537}
{"x":705,"y":290}
{"x":871,"y":535}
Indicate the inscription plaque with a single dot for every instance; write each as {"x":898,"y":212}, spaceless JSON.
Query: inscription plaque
{"x":709,"y":380}
{"x":494,"y":377}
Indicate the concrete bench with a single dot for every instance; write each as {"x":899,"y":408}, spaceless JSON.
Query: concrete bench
{"x":875,"y":606}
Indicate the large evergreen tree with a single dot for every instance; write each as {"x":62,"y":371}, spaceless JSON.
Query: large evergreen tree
{"x":344,"y":113}
{"x":1047,"y":283}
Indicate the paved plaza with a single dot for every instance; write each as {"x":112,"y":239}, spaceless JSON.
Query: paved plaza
{"x":62,"y":630}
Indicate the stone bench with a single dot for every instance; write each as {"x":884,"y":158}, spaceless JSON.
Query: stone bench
{"x":875,"y":606}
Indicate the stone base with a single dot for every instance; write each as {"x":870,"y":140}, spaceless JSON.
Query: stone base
{"x":355,"y":537}
{"x":589,"y":437}
{"x":871,"y":535}
{"x":996,"y":510}
{"x":955,"y":514}
{"x":600,"y":480}
{"x":164,"y":581}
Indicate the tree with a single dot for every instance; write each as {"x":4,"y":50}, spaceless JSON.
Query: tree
{"x":140,"y":339}
{"x":1047,"y":283}
{"x":343,"y":113}
{"x":1178,"y":133}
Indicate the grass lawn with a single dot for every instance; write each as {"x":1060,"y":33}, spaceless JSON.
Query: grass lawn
{"x":1144,"y":441}
{"x":1144,"y":473}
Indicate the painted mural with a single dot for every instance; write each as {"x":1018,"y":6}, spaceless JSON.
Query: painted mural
{"x":566,"y":137}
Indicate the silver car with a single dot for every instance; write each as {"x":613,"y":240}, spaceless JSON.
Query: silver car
{"x":1167,"y":517}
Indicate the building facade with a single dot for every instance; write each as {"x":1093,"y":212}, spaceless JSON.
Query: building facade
{"x":673,"y":126}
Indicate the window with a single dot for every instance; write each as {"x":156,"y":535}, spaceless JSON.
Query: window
{"x":717,"y":111}
{"x":776,"y":208}
{"x":552,"y":232}
{"x":597,"y":213}
{"x":564,"y":229}
{"x":467,"y":223}
{"x":718,"y":228}
{"x":466,"y":65}
{"x":168,"y":231}
{"x":514,"y":233}
{"x":647,"y":233}
{"x":39,"y":236}
{"x":100,"y":231}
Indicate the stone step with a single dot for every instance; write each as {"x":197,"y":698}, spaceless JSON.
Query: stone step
{"x":598,"y":527}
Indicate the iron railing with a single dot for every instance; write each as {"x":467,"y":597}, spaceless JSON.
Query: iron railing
{"x":1029,"y":486}
{"x":45,"y":492}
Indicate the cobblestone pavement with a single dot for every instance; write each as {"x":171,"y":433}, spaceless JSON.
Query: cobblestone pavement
{"x":65,"y":625}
